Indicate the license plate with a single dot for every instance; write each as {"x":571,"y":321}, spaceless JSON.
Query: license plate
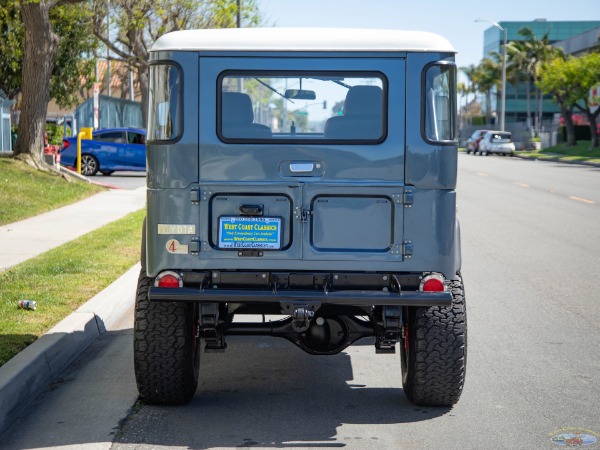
{"x":250,"y":232}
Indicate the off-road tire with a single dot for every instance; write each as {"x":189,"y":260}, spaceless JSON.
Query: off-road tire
{"x":434,"y":357}
{"x":166,"y":350}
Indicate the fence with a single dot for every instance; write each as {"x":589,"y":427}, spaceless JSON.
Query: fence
{"x":521,"y":133}
{"x":113,"y":112}
{"x":5,"y":129}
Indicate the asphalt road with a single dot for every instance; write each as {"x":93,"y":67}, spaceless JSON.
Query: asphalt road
{"x":531,"y":240}
{"x":125,"y":180}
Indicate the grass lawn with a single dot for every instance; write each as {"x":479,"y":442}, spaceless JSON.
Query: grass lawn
{"x":26,"y":192}
{"x":62,"y":279}
{"x":561,"y":152}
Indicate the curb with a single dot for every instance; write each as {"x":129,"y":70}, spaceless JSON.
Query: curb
{"x":34,"y":369}
{"x":558,"y":160}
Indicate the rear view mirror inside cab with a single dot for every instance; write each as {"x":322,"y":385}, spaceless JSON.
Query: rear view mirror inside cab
{"x":299,"y":94}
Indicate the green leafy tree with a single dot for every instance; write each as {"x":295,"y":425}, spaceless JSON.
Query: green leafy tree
{"x":570,"y":81}
{"x":588,"y":69}
{"x":557,"y":78}
{"x":11,"y":48}
{"x":44,"y":46}
{"x":136,"y":24}
{"x":74,"y":59}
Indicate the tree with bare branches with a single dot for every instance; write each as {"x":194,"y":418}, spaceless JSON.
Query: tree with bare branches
{"x":134,"y":25}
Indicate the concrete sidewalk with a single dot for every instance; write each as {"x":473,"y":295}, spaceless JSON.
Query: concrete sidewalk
{"x":22,"y":240}
{"x":34,"y":369}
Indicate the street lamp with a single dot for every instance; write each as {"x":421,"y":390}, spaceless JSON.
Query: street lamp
{"x":503,"y":98}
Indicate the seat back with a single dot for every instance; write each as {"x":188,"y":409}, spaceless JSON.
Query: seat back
{"x":237,"y":117}
{"x":362,"y":115}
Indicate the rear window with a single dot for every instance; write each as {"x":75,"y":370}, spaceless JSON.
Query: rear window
{"x":501,"y":137}
{"x":316,"y":107}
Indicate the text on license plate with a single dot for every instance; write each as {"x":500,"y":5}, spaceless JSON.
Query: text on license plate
{"x":250,"y":232}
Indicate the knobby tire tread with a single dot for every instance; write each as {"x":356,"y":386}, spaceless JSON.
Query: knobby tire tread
{"x":165,"y":354}
{"x":434,"y":373}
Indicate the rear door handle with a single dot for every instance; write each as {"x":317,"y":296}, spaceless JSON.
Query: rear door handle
{"x":302,"y":167}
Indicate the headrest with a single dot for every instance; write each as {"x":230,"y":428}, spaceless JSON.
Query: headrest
{"x":237,"y":108}
{"x":363,"y":100}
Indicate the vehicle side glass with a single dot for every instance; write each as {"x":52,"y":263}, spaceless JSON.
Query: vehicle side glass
{"x":164,"y":111}
{"x":439,"y":99}
{"x":135,"y":138}
{"x":118,"y":137}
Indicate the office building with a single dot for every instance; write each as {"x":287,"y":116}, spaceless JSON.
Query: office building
{"x":573,"y":37}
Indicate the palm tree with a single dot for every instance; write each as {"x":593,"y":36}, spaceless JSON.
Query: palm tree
{"x":463,"y":91}
{"x":537,"y":52}
{"x":493,"y":66}
{"x":517,"y":70}
{"x":488,"y":75}
{"x":471,"y":74}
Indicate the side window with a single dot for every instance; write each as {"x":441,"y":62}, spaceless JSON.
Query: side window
{"x":136,"y":138}
{"x":118,"y":137}
{"x":164,"y":111}
{"x":439,"y":100}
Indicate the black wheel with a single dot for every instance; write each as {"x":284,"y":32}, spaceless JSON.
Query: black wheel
{"x":89,"y":165}
{"x":166,"y":348}
{"x":434,"y":351}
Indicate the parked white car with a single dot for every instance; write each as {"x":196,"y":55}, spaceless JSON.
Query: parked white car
{"x":497,"y":142}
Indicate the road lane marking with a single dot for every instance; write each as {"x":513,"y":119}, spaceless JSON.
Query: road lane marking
{"x":523,"y":185}
{"x":483,"y":174}
{"x":584,"y":200}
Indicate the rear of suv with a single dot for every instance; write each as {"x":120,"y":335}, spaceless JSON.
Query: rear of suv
{"x":499,"y":142}
{"x":307,"y":175}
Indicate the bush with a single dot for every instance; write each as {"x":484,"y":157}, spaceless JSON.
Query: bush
{"x":55,"y":133}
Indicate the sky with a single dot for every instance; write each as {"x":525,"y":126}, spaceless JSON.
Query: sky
{"x":455,"y":20}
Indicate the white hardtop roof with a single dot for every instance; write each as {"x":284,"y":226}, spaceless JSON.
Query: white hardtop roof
{"x":303,"y":39}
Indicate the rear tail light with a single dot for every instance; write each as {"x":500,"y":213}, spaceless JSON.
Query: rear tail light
{"x":433,"y":283}
{"x":65,"y":144}
{"x":168,"y":279}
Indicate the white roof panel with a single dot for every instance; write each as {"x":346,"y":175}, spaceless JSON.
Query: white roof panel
{"x":303,"y":39}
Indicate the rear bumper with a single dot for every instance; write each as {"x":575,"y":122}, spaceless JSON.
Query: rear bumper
{"x":342,"y":298}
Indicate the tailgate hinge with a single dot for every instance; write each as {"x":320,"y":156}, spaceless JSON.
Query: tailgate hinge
{"x":408,"y":198}
{"x":407,"y":249}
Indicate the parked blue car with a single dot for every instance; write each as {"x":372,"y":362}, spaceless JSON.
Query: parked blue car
{"x":110,"y":149}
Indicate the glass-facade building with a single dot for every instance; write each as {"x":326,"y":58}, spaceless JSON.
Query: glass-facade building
{"x":516,"y":96}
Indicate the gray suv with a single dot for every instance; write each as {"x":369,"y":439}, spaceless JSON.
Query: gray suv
{"x":308,"y":176}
